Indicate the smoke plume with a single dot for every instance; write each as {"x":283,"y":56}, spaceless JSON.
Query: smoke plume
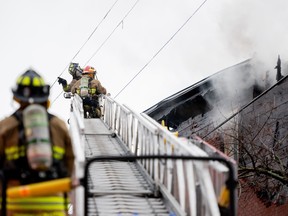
{"x":257,"y":29}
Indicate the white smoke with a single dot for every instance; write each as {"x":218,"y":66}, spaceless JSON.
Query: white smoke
{"x":256,"y":26}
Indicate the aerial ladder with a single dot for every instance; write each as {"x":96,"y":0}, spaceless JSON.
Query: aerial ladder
{"x":129,"y":164}
{"x":132,"y":165}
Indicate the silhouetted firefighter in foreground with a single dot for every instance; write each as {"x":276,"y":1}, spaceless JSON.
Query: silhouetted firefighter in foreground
{"x":35,"y":147}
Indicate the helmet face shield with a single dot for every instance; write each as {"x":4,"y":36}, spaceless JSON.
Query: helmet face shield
{"x":78,"y":74}
{"x":75,"y":70}
{"x":72,"y":68}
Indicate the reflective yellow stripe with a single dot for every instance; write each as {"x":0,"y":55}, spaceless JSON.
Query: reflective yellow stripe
{"x":58,"y":149}
{"x":11,"y":150}
{"x":19,"y":80}
{"x":57,"y":156}
{"x":93,"y":90}
{"x":37,"y":203}
{"x":38,"y":81}
{"x":22,"y":151}
{"x":26,"y":81}
{"x":14,"y":152}
{"x":66,"y":88}
{"x":58,"y":152}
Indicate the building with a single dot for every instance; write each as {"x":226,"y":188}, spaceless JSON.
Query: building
{"x":240,"y":110}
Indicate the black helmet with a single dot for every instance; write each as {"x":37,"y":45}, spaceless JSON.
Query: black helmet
{"x":75,"y":70}
{"x":31,"y":88}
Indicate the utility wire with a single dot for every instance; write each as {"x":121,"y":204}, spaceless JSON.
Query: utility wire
{"x":112,"y":32}
{"x":162,"y":47}
{"x":57,"y":97}
{"x":86,"y":41}
{"x":82,"y":48}
{"x":96,"y":28}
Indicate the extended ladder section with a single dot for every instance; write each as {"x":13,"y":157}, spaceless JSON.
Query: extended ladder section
{"x":131,"y":165}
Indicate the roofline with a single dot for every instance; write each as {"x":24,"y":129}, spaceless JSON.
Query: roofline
{"x":193,"y":86}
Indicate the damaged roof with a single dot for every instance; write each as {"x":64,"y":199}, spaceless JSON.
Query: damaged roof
{"x":193,"y":100}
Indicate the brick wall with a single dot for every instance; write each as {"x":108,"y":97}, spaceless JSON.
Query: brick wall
{"x":251,"y":205}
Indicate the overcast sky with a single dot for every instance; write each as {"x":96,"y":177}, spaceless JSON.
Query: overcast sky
{"x":168,"y":44}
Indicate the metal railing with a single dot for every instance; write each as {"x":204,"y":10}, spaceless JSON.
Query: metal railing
{"x":77,"y":136}
{"x":230,"y":183}
{"x":186,"y":184}
{"x":144,"y":136}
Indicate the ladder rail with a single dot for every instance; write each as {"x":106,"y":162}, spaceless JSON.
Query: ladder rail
{"x":149,"y":137}
{"x":76,"y":130}
{"x":231,"y":182}
{"x":142,"y":135}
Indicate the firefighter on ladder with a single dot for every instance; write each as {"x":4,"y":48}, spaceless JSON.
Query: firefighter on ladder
{"x":35,"y":147}
{"x":88,"y":88}
{"x":76,"y":72}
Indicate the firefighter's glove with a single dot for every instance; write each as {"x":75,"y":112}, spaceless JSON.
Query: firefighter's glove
{"x":62,"y":81}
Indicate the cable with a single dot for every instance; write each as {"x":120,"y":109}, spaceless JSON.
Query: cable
{"x":56,"y":97}
{"x":82,"y":47}
{"x":112,"y":31}
{"x":96,"y":28}
{"x":162,"y":47}
{"x":87,"y":40}
{"x":90,"y":37}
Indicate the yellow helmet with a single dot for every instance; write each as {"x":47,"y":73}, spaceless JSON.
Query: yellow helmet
{"x":30,"y":87}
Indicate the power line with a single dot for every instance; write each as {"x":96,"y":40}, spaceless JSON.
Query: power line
{"x":112,"y":32}
{"x":56,"y":97}
{"x":101,"y":44}
{"x":86,"y":41}
{"x":96,"y":28}
{"x":162,"y":47}
{"x":82,"y":47}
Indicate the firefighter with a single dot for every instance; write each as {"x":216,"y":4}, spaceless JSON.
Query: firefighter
{"x":89,"y":89}
{"x":20,"y":137}
{"x":76,"y":72}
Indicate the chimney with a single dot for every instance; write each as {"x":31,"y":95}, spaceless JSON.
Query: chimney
{"x":278,"y":67}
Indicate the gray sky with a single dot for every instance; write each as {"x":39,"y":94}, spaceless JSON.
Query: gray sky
{"x":46,"y":35}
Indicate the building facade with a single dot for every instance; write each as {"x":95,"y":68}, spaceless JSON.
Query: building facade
{"x":241,"y":111}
